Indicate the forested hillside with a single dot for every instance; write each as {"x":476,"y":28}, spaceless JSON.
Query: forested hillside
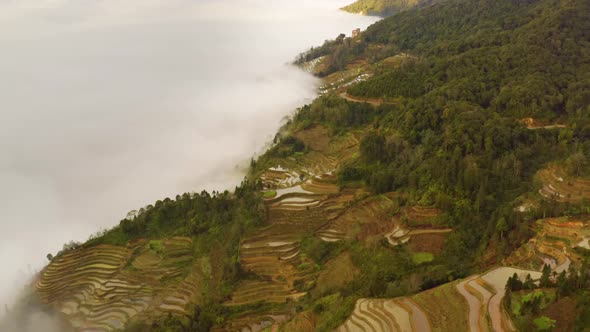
{"x":384,"y":7}
{"x":445,"y":164}
{"x":451,"y":129}
{"x":454,"y":136}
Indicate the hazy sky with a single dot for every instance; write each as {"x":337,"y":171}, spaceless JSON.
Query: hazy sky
{"x":107,"y":106}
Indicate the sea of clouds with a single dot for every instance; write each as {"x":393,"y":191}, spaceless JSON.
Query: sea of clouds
{"x":107,"y":106}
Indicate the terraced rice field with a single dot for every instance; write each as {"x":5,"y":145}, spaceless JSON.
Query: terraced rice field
{"x":472,"y":304}
{"x":305,"y":198}
{"x":280,"y":178}
{"x":399,"y":314}
{"x":417,"y":222}
{"x":370,"y":214}
{"x":438,"y":309}
{"x":401,"y":235}
{"x":102,"y":288}
{"x":273,"y":253}
{"x":421,"y":216}
{"x":338,"y":81}
{"x":254,"y":322}
{"x":497,"y":279}
{"x":553,"y":244}
{"x":316,"y":166}
{"x":262,"y":291}
{"x":559,"y":186}
{"x":302,"y":322}
{"x":484,"y":294}
{"x":314,"y":66}
{"x":444,"y":307}
{"x":477,"y":298}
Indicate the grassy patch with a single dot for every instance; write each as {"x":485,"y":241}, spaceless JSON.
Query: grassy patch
{"x":338,"y":273}
{"x":303,"y":266}
{"x":157,"y":246}
{"x":441,"y":303}
{"x":544,"y":323}
{"x":333,"y":310}
{"x":522,"y":310}
{"x":269,"y":194}
{"x":422,"y":257}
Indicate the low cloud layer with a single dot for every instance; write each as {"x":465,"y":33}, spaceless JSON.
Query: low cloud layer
{"x":28,"y":315}
{"x":108,"y":106}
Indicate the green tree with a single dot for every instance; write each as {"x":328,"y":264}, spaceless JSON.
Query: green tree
{"x":501,"y":226}
{"x":545,"y":280}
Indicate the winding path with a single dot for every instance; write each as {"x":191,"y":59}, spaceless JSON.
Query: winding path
{"x":372,"y":101}
{"x":555,"y":126}
{"x":406,"y":234}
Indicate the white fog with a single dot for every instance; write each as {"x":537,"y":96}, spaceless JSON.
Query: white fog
{"x":107,"y":106}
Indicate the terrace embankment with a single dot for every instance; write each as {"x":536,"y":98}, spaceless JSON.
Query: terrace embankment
{"x":438,"y":309}
{"x":366,"y":219}
{"x":385,"y":315}
{"x":554,"y":244}
{"x":273,"y":253}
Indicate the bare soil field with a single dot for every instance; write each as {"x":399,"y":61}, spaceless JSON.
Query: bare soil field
{"x":433,"y":243}
{"x":564,"y":312}
{"x":367,"y":218}
{"x":337,"y":273}
{"x":316,"y":137}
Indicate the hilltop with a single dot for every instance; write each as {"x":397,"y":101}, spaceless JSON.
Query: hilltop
{"x":384,"y":7}
{"x":439,"y":183}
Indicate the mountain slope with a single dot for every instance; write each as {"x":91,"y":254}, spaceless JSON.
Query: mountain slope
{"x":443,"y":139}
{"x":384,"y":7}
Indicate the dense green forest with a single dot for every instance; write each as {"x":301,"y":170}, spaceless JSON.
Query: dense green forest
{"x":453,"y":139}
